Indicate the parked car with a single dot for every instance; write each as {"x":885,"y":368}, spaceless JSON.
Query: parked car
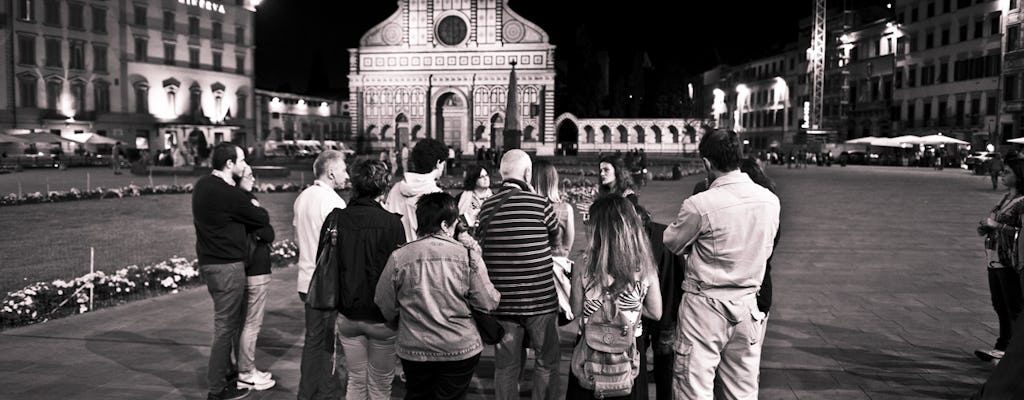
{"x":979,"y":161}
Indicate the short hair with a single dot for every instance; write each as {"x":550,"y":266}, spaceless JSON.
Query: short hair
{"x":223,"y":152}
{"x":472,"y":175}
{"x":434,"y":208}
{"x":723,"y":149}
{"x":514,"y":162}
{"x":426,"y":154}
{"x":324,"y":160}
{"x":623,"y":178}
{"x":545,"y":180}
{"x":370,"y":179}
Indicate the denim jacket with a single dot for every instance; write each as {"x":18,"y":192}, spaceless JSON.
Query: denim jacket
{"x":428,"y":286}
{"x":732,"y":228}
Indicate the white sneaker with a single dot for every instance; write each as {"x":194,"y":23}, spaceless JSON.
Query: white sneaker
{"x":989,"y":355}
{"x":256,"y":380}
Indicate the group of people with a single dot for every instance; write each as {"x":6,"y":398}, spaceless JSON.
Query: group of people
{"x":417,"y":270}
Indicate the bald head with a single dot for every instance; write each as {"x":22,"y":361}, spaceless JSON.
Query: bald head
{"x":516,"y":164}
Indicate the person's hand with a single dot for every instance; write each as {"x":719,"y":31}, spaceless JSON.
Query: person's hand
{"x":990,"y":223}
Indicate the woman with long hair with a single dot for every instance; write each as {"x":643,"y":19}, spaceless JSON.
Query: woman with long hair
{"x":618,"y":278}
{"x":616,"y":180}
{"x":999,"y":229}
{"x":545,"y":181}
{"x":475,"y":189}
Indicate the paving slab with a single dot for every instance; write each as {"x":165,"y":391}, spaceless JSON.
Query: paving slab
{"x":880,"y":293}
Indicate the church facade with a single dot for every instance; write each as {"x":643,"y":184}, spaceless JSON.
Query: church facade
{"x":440,"y":69}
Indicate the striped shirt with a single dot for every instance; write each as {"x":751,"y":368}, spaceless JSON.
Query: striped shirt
{"x":517,"y":251}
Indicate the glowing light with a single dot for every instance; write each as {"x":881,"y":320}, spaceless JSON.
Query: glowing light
{"x":807,"y":115}
{"x":301,"y":103}
{"x":990,"y":148}
{"x":67,"y":105}
{"x":888,"y":5}
{"x":323,"y":104}
{"x":256,"y":3}
{"x":689,"y":89}
{"x":275,"y":100}
{"x":205,"y":4}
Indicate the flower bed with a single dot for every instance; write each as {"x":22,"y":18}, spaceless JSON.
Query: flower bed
{"x":73,"y":194}
{"x":43,"y":301}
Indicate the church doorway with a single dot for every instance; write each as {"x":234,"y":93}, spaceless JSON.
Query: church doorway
{"x":451,"y":119}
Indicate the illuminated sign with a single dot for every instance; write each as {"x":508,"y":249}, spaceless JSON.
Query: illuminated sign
{"x":204,"y":4}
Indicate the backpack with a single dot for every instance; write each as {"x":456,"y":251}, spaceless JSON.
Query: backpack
{"x":606,"y":359}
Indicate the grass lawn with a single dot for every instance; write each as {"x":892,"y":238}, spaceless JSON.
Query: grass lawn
{"x":52,"y":241}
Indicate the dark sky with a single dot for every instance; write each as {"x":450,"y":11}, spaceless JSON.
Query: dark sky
{"x":691,"y":35}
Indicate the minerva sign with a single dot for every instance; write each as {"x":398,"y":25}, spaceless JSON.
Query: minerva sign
{"x":204,"y":4}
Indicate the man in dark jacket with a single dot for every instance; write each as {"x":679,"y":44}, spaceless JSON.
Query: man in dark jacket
{"x":221,"y":212}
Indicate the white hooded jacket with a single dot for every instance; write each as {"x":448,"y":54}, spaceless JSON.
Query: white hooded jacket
{"x":404,"y":195}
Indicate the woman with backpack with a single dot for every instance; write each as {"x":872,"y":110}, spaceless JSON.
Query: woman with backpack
{"x":616,"y":286}
{"x":367,"y":234}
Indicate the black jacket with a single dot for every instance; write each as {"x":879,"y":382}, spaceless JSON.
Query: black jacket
{"x":260,"y":239}
{"x":221,"y":213}
{"x":367,"y":234}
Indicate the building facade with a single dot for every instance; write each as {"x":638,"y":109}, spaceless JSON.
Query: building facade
{"x":948,"y":67}
{"x":1011,"y":116}
{"x":440,"y":69}
{"x":150,"y":73}
{"x":287,"y":116}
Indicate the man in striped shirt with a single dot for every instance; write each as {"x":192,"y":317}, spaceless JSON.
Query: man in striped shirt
{"x":516,"y":240}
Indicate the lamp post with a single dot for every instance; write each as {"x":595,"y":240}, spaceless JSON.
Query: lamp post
{"x":257,"y":108}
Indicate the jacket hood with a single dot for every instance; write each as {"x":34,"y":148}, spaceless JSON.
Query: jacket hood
{"x":417,"y":184}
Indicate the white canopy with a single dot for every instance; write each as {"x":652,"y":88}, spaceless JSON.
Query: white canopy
{"x":91,"y":138}
{"x":941,"y":139}
{"x":863,"y":140}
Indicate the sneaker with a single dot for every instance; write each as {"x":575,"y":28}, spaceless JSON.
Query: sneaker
{"x":229,"y":393}
{"x":255,"y":380}
{"x":989,"y":355}
{"x":262,"y":374}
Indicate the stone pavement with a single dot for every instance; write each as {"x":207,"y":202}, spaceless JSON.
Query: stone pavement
{"x":880,"y":293}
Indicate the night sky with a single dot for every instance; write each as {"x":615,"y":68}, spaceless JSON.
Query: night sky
{"x":303,"y":43}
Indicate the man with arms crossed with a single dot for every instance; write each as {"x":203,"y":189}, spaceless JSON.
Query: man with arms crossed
{"x":731,"y":227}
{"x":221,"y":211}
{"x":311,"y":208}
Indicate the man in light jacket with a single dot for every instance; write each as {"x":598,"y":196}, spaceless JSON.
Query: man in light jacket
{"x":731,"y":227}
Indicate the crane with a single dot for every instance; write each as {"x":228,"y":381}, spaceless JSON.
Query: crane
{"x":816,"y":59}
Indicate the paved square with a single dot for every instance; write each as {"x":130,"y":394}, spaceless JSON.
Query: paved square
{"x":880,"y":293}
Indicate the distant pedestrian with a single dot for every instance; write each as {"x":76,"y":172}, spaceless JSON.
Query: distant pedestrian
{"x":995,"y":167}
{"x":403,"y":160}
{"x":115,"y":158}
{"x":317,"y":377}
{"x":731,"y":228}
{"x":999,"y":229}
{"x":222,"y":212}
{"x":545,"y":180}
{"x":257,"y":276}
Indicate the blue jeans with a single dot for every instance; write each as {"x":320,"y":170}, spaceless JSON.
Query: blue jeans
{"x":256,"y":300}
{"x":543,"y":333}
{"x":318,"y":379}
{"x":226,"y":284}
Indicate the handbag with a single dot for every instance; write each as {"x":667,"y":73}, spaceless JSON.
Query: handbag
{"x":324,"y":286}
{"x":491,"y":331}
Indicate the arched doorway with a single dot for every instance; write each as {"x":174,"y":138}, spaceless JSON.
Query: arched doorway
{"x":451,"y":113}
{"x":568,"y":137}
{"x":401,"y":131}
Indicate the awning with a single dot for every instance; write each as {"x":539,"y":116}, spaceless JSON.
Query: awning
{"x":44,"y":137}
{"x":5,"y":138}
{"x":91,"y":138}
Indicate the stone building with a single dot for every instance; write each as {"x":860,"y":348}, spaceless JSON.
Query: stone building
{"x":440,"y":69}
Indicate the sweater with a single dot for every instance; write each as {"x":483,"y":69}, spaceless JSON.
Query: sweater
{"x":221,"y":213}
